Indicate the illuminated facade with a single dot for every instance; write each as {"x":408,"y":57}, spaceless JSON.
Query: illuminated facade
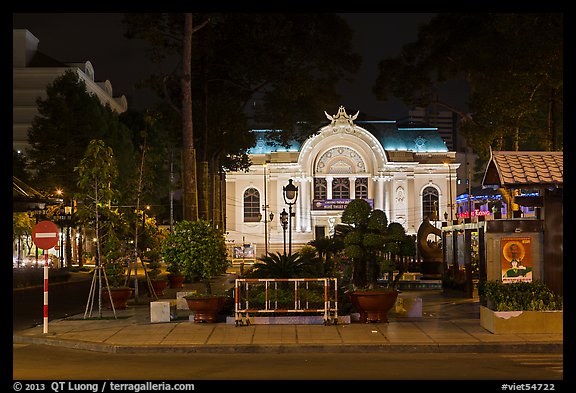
{"x":406,"y":172}
{"x":33,"y":71}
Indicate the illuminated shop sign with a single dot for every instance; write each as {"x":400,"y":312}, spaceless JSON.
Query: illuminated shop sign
{"x":335,"y":204}
{"x":475,"y":213}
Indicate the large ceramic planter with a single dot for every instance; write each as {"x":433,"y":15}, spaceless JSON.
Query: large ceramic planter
{"x":120,"y":297}
{"x":373,"y":306}
{"x":176,"y":280}
{"x":206,"y":309}
{"x":521,"y":321}
{"x":159,"y":286}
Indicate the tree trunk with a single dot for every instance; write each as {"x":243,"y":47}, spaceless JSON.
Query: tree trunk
{"x":552,"y":121}
{"x":190,"y":200}
{"x":79,"y":248}
{"x":216,"y":206}
{"x":203,"y":187}
{"x":68,"y":248}
{"x":516,"y":138}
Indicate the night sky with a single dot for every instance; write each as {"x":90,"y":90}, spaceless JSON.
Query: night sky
{"x":99,"y":38}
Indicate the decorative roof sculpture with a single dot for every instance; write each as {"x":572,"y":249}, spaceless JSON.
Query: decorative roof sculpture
{"x":342,"y":119}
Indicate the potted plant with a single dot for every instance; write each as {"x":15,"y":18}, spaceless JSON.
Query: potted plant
{"x":116,"y":293}
{"x":519,"y":307}
{"x":173,"y":261}
{"x":157,"y":282}
{"x":198,"y":250}
{"x":373,"y":246}
{"x":152,"y":256}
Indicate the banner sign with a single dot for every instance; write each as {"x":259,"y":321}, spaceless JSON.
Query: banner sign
{"x":335,"y":204}
{"x":246,"y":251}
{"x":516,"y":259}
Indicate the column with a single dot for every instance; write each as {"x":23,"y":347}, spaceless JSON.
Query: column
{"x":298,"y":207}
{"x":329,"y":187}
{"x":306,"y":202}
{"x":352,"y":181}
{"x":378,"y":192}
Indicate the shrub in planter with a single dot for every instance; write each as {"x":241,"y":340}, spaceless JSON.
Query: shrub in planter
{"x":518,"y":296}
{"x":196,"y":249}
{"x":520,"y":307}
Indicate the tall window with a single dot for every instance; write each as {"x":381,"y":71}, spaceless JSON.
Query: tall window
{"x":320,"y":188}
{"x":340,"y":188}
{"x":430,"y":203}
{"x":361,"y":187}
{"x":251,"y":205}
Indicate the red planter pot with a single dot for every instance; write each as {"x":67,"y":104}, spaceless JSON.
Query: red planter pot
{"x":374,"y":305}
{"x":120,"y":297}
{"x":159,"y":286}
{"x":206,"y":309}
{"x":176,"y":280}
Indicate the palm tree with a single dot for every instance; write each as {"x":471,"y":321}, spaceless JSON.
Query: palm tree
{"x":326,"y":247}
{"x":280,"y":266}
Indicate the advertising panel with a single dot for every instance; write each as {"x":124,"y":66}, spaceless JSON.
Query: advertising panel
{"x":516,"y":256}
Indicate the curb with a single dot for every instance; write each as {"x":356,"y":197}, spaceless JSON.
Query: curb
{"x":533,"y":347}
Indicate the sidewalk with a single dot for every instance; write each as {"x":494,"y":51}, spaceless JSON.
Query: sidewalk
{"x":447,"y":324}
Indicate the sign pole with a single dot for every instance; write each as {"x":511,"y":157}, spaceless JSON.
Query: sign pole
{"x":45,"y":236}
{"x":45,"y":331}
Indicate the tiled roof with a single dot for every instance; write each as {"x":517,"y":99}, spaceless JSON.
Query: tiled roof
{"x":524,"y":168}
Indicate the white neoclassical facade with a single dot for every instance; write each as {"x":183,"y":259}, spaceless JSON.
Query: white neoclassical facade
{"x":406,"y":172}
{"x":33,"y":71}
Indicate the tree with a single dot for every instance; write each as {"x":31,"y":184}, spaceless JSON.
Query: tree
{"x":275,"y":68}
{"x":199,"y":248}
{"x":96,"y":174}
{"x":279,"y":266}
{"x":512,"y":63}
{"x":364,"y":234}
{"x":398,"y":245}
{"x":327,"y":247}
{"x":69,"y":118}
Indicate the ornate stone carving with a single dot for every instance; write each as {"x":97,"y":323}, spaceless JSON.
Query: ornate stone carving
{"x":342,"y":119}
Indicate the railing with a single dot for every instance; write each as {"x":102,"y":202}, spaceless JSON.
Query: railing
{"x":285,"y":295}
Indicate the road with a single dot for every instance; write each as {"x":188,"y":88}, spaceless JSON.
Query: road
{"x":40,"y":362}
{"x":64,"y":299}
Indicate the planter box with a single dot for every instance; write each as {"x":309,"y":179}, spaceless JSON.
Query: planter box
{"x":521,"y":321}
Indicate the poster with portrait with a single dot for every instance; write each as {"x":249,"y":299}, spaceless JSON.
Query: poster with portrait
{"x":516,"y":259}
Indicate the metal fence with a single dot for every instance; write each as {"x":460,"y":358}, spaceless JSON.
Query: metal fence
{"x":289,"y":296}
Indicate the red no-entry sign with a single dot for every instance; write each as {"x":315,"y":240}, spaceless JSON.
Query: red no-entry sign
{"x":45,"y":235}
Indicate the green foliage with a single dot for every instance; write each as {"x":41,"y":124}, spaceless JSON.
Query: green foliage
{"x":154,"y":269}
{"x":116,"y":274}
{"x":518,"y":296}
{"x":516,"y":99}
{"x":363,"y":231}
{"x":281,"y":266}
{"x":369,"y":240}
{"x":289,"y":70}
{"x":326,"y":249}
{"x":197,"y":250}
{"x":96,"y":172}
{"x":68,"y":119}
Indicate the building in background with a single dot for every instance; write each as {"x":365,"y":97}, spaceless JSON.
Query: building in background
{"x":409,"y":173}
{"x":33,"y":71}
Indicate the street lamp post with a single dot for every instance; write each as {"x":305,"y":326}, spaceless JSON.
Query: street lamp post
{"x":290,"y":197}
{"x":267,"y":218}
{"x":450,"y":188}
{"x":61,"y":219}
{"x":284,"y":222}
{"x":68,"y":249}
